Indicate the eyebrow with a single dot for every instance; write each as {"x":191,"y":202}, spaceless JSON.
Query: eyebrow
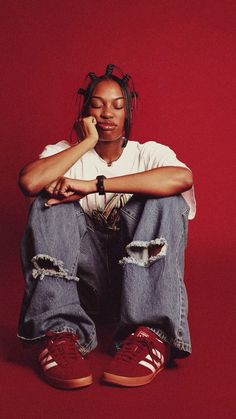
{"x":99,"y":97}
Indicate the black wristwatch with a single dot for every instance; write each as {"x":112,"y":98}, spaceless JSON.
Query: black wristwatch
{"x":100,"y":186}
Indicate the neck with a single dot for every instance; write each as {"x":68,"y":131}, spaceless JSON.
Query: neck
{"x":110,"y":151}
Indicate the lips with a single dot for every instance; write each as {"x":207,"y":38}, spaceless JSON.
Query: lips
{"x":106,"y":125}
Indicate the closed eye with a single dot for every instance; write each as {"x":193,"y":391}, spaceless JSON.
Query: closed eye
{"x":119,"y":107}
{"x":96,"y":104}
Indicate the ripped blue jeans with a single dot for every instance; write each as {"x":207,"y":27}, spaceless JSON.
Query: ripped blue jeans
{"x":74,"y":272}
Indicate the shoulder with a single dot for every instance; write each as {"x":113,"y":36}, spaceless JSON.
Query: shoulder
{"x":153,"y":154}
{"x":51,"y":149}
{"x":149,"y":147}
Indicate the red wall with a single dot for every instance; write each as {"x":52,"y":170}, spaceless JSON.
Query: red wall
{"x":182,"y":58}
{"x":181,"y":55}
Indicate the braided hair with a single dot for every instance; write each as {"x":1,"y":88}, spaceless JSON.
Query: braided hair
{"x":127,"y":87}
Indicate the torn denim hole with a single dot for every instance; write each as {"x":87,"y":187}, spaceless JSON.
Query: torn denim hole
{"x":46,"y":265}
{"x":144,"y":253}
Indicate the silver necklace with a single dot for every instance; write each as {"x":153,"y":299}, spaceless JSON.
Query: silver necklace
{"x":109,"y":163}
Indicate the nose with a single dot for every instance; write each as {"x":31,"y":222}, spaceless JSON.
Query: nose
{"x":107,"y":113}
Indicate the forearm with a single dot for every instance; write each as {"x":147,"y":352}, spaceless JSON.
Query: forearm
{"x":164,"y":181}
{"x":38,"y":174}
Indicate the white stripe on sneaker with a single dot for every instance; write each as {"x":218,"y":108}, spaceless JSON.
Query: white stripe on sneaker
{"x":147,"y":365}
{"x":43,"y":353}
{"x":149,"y":358}
{"x":149,"y":361}
{"x":46,"y":359}
{"x":49,"y":366}
{"x":158,"y":354}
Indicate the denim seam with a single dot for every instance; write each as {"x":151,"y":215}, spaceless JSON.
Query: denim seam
{"x":90,"y":228}
{"x":185,"y":215}
{"x":177,"y":340}
{"x":179,"y":331}
{"x":78,"y":213}
{"x":177,"y":343}
{"x":84,"y":349}
{"x":64,"y":329}
{"x":182,"y":346}
{"x":186,"y":211}
{"x":78,"y":209}
{"x":162,"y":335}
{"x":128,"y":214}
{"x":75,"y":264}
{"x":30,"y":339}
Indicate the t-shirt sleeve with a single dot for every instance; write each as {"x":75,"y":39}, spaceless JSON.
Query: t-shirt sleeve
{"x":158,"y":155}
{"x":52,"y":149}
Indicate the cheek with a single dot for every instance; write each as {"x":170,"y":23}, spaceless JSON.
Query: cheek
{"x":122,"y":119}
{"x":93,"y":111}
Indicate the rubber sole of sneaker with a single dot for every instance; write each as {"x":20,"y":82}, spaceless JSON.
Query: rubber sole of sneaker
{"x":129,"y":381}
{"x":69,"y":384}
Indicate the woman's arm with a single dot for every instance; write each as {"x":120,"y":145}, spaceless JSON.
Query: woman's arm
{"x":37,"y":175}
{"x":162,"y":181}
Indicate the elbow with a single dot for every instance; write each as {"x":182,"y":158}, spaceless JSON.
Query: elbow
{"x":27,"y":186}
{"x":187,"y":180}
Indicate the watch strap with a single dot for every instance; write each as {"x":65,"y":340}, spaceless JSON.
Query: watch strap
{"x":100,"y":186}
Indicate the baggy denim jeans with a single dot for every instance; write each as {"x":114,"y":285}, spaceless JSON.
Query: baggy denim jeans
{"x":73,"y":271}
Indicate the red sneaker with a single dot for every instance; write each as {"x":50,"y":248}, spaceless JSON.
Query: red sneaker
{"x":62,"y":364}
{"x":141,"y":357}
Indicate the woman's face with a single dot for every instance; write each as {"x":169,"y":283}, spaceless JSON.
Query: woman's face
{"x":107,"y":105}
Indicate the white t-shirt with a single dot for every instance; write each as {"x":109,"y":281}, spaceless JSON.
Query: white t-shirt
{"x":135,"y":158}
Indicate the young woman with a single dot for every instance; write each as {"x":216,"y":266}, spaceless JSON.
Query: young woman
{"x":105,"y":238}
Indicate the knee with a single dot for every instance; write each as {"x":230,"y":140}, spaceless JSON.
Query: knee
{"x":40,"y":204}
{"x":170,"y":204}
{"x":57,"y":216}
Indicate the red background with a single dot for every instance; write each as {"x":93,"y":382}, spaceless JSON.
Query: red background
{"x":181,"y":55}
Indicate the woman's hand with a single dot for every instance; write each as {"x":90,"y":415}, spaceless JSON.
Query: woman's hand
{"x":86,"y":129}
{"x":67,"y":190}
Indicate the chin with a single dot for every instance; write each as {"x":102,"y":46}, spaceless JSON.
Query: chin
{"x":109,"y":138}
{"x":105,"y":139}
